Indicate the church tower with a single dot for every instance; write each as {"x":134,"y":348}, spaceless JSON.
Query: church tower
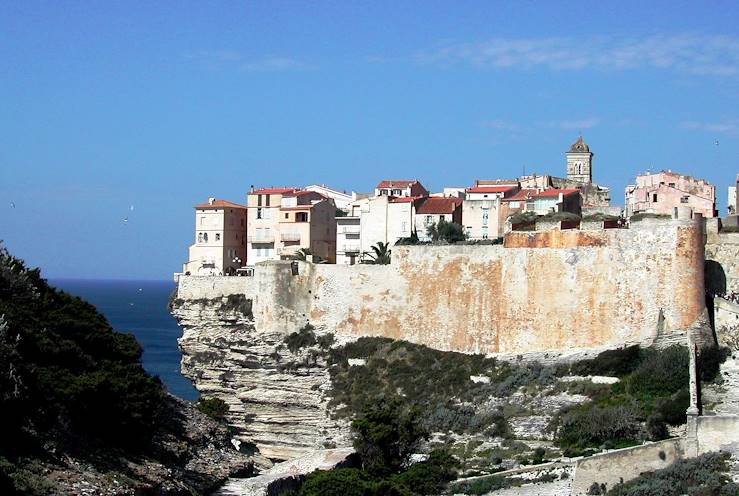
{"x":580,"y":162}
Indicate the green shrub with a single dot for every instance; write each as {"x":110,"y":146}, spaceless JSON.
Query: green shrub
{"x":483,"y":486}
{"x":304,"y":338}
{"x":592,"y":426}
{"x":215,"y":408}
{"x":704,"y":475}
{"x":647,"y":215}
{"x":660,"y":373}
{"x":618,"y":362}
{"x":431,"y":476}
{"x":672,"y":410}
{"x":238,"y":303}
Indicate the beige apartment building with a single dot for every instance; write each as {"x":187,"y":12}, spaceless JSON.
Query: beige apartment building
{"x":220,"y":239}
{"x":281,"y":221}
{"x":483,"y":215}
{"x":662,"y":192}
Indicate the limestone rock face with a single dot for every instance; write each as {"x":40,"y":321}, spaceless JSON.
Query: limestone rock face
{"x":277,"y":397}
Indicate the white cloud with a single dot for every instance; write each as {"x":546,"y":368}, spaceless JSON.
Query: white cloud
{"x":710,"y":55}
{"x":213,"y":58}
{"x":577,"y":124}
{"x":723,"y":127}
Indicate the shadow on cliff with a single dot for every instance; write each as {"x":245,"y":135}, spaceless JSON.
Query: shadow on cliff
{"x":715,"y":284}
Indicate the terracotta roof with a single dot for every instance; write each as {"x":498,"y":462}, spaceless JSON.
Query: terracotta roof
{"x":548,"y":193}
{"x":396,"y":183}
{"x":521,"y":195}
{"x":220,"y":204}
{"x":436,"y":205}
{"x":490,"y":189}
{"x":273,"y":191}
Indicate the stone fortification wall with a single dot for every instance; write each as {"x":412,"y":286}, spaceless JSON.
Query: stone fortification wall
{"x":539,"y":291}
{"x":210,"y":287}
{"x":722,"y":260}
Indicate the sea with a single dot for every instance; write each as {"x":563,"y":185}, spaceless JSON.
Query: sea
{"x":140,"y":308}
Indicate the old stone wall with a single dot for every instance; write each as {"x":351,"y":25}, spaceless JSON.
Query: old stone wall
{"x":624,"y":464}
{"x":538,"y":291}
{"x":722,"y":261}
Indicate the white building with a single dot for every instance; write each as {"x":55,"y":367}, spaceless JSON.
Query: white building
{"x":429,"y":211}
{"x":580,"y":162}
{"x":383,"y":219}
{"x":401,"y":188}
{"x":341,"y":199}
{"x":481,"y":211}
{"x":220,"y":239}
{"x":348,"y":249}
{"x":732,"y":200}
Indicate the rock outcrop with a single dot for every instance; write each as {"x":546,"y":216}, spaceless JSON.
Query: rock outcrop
{"x":277,"y":397}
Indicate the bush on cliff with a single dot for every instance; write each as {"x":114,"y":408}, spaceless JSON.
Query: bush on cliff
{"x":385,"y":435}
{"x":215,"y":408}
{"x":67,"y":380}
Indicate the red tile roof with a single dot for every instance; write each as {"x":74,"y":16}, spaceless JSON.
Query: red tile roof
{"x":490,"y":189}
{"x":436,"y":205}
{"x":274,"y":191}
{"x":220,"y":204}
{"x":396,"y":183}
{"x":547,"y":193}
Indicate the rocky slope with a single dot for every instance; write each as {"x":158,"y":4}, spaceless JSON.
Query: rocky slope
{"x":277,"y":397}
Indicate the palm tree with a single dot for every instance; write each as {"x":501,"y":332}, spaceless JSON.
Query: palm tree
{"x":381,"y":255}
{"x":302,"y":254}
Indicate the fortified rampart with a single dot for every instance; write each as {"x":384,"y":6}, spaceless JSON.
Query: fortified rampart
{"x":538,"y":291}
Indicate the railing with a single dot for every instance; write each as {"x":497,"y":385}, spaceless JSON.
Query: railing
{"x":350,"y":248}
{"x":350,"y":230}
{"x":262,"y":238}
{"x":290,"y":236}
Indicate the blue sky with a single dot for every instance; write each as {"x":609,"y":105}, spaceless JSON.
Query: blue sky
{"x":159,"y":105}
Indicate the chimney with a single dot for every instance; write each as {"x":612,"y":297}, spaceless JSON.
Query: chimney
{"x":211,"y":200}
{"x":251,"y":190}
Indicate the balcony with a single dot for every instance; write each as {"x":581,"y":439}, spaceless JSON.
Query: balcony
{"x":290,"y":236}
{"x":349,"y":248}
{"x":349,"y":230}
{"x":262,"y":238}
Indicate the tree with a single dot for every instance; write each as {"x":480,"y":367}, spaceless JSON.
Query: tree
{"x":386,"y":435}
{"x":450,"y":232}
{"x":381,"y":254}
{"x":302,"y":254}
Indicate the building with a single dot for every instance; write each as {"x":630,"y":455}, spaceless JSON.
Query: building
{"x":401,"y":188}
{"x":348,"y":247}
{"x":341,"y":199}
{"x":281,"y":221}
{"x":555,"y":200}
{"x":482,"y":215}
{"x":662,"y":192}
{"x":220,"y":239}
{"x":434,"y":209}
{"x":732,"y":203}
{"x":580,"y":162}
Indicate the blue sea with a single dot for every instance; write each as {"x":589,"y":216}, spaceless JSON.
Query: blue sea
{"x":140,"y":308}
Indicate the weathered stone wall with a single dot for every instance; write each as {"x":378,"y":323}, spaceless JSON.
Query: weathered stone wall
{"x":718,"y":433}
{"x":722,"y":261}
{"x":624,"y":464}
{"x":210,"y":287}
{"x":539,"y":291}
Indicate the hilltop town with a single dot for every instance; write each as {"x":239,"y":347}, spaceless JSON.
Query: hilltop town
{"x":321,"y":224}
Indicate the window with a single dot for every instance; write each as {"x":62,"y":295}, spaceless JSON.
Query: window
{"x":397,"y":192}
{"x":259,"y":211}
{"x":287,"y":216}
{"x":301,"y":217}
{"x":218,"y":236}
{"x":383,"y":192}
{"x":485,"y":216}
{"x":485,"y":232}
{"x":441,"y":217}
{"x":205,"y":237}
{"x":672,"y":185}
{"x":654,"y":198}
{"x":259,"y":200}
{"x":469,"y":231}
{"x":684,"y":199}
{"x":202,"y":220}
{"x":266,"y":200}
{"x":403,"y":227}
{"x":200,"y":237}
{"x":429,"y":220}
{"x":514,"y":204}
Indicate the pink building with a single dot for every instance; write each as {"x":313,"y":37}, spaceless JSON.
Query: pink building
{"x":662,"y":192}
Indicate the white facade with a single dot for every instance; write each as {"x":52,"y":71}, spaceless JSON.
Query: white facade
{"x":382,"y":219}
{"x":348,"y":246}
{"x":580,"y":162}
{"x":732,"y":200}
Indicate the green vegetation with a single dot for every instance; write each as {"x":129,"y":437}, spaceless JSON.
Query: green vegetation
{"x":301,"y":254}
{"x":305,"y":338}
{"x":528,"y":217}
{"x":385,"y":435}
{"x":380,"y":254}
{"x":704,"y":475}
{"x":238,"y":303}
{"x":449,"y":232}
{"x":401,"y":368}
{"x":600,"y":217}
{"x":215,"y":408}
{"x":647,"y":215}
{"x":67,"y":380}
{"x":652,"y":394}
{"x":730,"y":229}
{"x":561,"y":217}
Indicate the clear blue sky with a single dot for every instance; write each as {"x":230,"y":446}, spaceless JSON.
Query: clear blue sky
{"x":159,"y":105}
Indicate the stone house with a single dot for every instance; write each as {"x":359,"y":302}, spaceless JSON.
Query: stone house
{"x":281,"y":221}
{"x":401,"y":188}
{"x":431,"y":210}
{"x":663,"y":192}
{"x":482,"y":215}
{"x":220,"y":239}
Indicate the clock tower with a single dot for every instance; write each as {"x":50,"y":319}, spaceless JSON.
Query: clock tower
{"x":580,"y":162}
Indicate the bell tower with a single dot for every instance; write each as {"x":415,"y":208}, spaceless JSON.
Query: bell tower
{"x":580,"y":162}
